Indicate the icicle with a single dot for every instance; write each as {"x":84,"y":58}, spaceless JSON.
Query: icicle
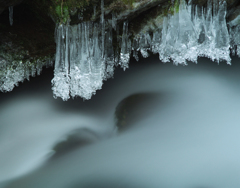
{"x":161,"y":48}
{"x":169,"y":37}
{"x":38,"y":67}
{"x":109,"y":55}
{"x":215,"y":6}
{"x":74,"y":61}
{"x":198,"y":22}
{"x":235,"y":40}
{"x":85,"y":82}
{"x":117,"y":54}
{"x":135,"y":48}
{"x":222,"y":36}
{"x":56,"y":34}
{"x":156,"y":41}
{"x":144,"y":44}
{"x":98,"y":63}
{"x":94,"y":11}
{"x":58,"y":49}
{"x":11,"y":15}
{"x":66,"y":61}
{"x":61,"y":79}
{"x":114,"y":21}
{"x":125,"y":47}
{"x":103,"y":26}
{"x":190,"y":8}
{"x":186,"y":44}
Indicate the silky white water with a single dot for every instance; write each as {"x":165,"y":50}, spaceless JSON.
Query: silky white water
{"x":190,"y":139}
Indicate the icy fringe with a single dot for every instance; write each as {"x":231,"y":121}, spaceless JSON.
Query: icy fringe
{"x":11,"y":73}
{"x":235,"y":40}
{"x":189,"y":33}
{"x":83,"y":60}
{"x":85,"y":55}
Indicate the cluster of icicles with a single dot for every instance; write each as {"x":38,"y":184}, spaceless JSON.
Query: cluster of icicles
{"x":85,"y":55}
{"x":13,"y":72}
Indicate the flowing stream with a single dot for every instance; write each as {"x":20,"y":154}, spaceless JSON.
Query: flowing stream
{"x":186,"y":136}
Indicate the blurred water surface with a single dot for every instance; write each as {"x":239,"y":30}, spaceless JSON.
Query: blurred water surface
{"x":186,"y":136}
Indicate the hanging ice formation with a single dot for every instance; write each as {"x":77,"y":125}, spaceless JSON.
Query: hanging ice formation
{"x":85,"y":55}
{"x":13,"y":72}
{"x":189,"y":33}
{"x":11,"y":15}
{"x":235,"y":36}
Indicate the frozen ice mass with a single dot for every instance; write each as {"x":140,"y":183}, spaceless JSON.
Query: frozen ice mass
{"x":85,"y":55}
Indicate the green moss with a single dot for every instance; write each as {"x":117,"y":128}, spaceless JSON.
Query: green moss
{"x":174,"y":8}
{"x":58,"y":11}
{"x":65,"y":14}
{"x":62,"y":12}
{"x":128,"y":2}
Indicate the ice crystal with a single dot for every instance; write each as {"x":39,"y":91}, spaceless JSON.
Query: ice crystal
{"x":15,"y":71}
{"x":125,"y":47}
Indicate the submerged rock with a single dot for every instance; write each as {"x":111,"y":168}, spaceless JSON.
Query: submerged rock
{"x":77,"y":138}
{"x":135,"y":108}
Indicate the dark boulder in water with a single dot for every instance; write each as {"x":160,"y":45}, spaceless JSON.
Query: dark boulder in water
{"x":77,"y":138}
{"x":134,"y":108}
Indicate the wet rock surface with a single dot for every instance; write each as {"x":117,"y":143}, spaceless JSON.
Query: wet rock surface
{"x":134,"y":108}
{"x":28,"y":32}
{"x":4,"y":4}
